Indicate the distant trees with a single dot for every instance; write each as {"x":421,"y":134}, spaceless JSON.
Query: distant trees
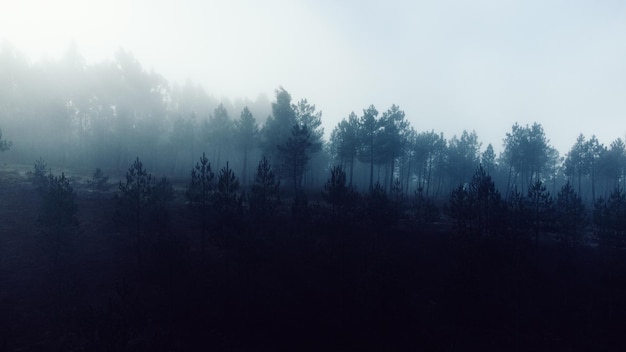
{"x":344,"y":142}
{"x":368,"y":134}
{"x":291,"y":135}
{"x":218,"y":132}
{"x":527,"y":154}
{"x":183,"y":138}
{"x":392,"y":139}
{"x":278,"y":126}
{"x":463,"y":156}
{"x":246,"y":139}
{"x":99,"y":181}
{"x":4,"y":144}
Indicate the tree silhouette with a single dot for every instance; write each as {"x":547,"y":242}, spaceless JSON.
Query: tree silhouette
{"x":540,"y":208}
{"x":378,"y":208}
{"x":307,"y":116}
{"x":246,"y":139}
{"x":575,"y":164}
{"x":488,"y":160}
{"x":337,"y":193}
{"x":459,"y":208}
{"x":392,"y":138}
{"x":518,"y":217}
{"x":294,"y":155}
{"x":277,"y":127}
{"x":227,"y":202}
{"x":57,"y":211}
{"x":463,"y":156}
{"x":368,"y":132}
{"x":344,"y":142}
{"x":610,"y":218}
{"x":569,"y":215}
{"x":264,"y":196}
{"x":133,"y":202}
{"x":199,"y":192}
{"x":487,"y":203}
{"x":39,"y":175}
{"x":425,"y":210}
{"x":183,"y":138}
{"x":4,"y":144}
{"x":99,"y":181}
{"x":477,"y":207}
{"x":526,"y":152}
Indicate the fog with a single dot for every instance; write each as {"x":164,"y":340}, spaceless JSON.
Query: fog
{"x":312,"y":175}
{"x":450,"y":65}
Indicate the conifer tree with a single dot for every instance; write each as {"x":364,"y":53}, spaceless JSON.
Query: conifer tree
{"x":199,"y":192}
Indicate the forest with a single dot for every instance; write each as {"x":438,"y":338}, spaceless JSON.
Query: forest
{"x":139,"y":215}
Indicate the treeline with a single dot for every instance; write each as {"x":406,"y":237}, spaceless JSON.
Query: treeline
{"x":106,"y":115}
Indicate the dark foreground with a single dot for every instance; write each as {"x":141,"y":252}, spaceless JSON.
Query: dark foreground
{"x":313,"y":285}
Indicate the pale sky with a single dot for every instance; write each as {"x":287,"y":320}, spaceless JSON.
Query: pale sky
{"x":450,"y":65}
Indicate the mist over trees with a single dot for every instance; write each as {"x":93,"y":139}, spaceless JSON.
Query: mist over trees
{"x":378,"y":226}
{"x":105,"y":115}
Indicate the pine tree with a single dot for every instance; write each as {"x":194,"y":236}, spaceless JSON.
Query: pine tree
{"x":227,"y":202}
{"x":569,"y":214}
{"x":337,"y":194}
{"x":57,"y":211}
{"x":133,"y":202}
{"x":540,"y":208}
{"x":4,"y":144}
{"x":264,"y":196}
{"x":199,"y":192}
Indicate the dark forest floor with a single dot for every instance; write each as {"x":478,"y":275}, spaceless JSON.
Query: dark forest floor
{"x":293,"y":286}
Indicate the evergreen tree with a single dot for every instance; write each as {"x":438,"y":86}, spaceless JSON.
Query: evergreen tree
{"x":39,"y":175}
{"x":57,"y":211}
{"x":540,"y":208}
{"x":610,"y":219}
{"x":378,"y":208}
{"x":294,"y":155}
{"x":517,"y":211}
{"x":488,"y":160}
{"x":133,"y":202}
{"x":227,"y":201}
{"x":4,"y":144}
{"x":99,"y":181}
{"x":344,"y":142}
{"x":569,"y":214}
{"x":277,"y":127}
{"x":368,"y":137}
{"x":425,"y":210}
{"x":199,"y":192}
{"x":477,"y":207}
{"x":246,"y":135}
{"x":337,"y":193}
{"x":264,"y":196}
{"x":487,"y":204}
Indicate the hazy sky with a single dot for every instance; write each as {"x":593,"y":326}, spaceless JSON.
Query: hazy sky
{"x":450,"y":65}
